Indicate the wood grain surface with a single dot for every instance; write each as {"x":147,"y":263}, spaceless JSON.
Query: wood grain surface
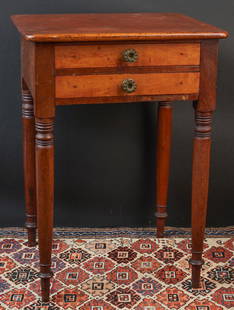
{"x":111,"y":27}
{"x":106,"y":55}
{"x":110,"y":84}
{"x":125,"y":99}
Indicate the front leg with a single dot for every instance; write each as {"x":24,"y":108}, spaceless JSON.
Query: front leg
{"x":45,"y":198}
{"x":200,"y":182}
{"x":204,"y":109}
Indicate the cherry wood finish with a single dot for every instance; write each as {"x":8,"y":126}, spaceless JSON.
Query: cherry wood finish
{"x":45,"y":197}
{"x":118,"y":99}
{"x":126,"y":69}
{"x":77,"y":59}
{"x":200,"y":179}
{"x":163,"y":151}
{"x":29,"y":164}
{"x":204,"y":109}
{"x":113,"y":27}
{"x":110,"y":85}
{"x":38,"y":83}
{"x":111,"y":55}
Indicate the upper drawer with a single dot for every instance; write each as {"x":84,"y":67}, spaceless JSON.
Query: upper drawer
{"x":126,"y":55}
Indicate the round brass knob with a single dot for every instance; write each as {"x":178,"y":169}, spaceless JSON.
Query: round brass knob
{"x":130,"y":55}
{"x":129,"y":85}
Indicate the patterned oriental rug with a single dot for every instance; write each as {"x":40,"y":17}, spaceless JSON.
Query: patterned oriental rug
{"x":109,"y":269}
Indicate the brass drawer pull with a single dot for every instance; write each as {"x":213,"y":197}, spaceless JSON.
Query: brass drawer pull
{"x":130,"y":55}
{"x":129,"y":85}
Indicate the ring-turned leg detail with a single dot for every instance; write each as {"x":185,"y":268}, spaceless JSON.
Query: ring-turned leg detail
{"x":45,"y":198}
{"x":200,"y":181}
{"x":29,"y":164}
{"x":163,"y":150}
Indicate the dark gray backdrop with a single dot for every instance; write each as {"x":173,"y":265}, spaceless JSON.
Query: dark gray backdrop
{"x":105,"y":153}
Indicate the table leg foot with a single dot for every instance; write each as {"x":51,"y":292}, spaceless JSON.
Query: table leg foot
{"x":196,"y":272}
{"x":32,"y":234}
{"x":45,"y":285}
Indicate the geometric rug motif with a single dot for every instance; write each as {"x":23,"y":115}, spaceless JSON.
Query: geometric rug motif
{"x":114,"y":272}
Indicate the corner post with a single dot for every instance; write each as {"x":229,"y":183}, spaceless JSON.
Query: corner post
{"x":204,"y":109}
{"x":44,"y":126}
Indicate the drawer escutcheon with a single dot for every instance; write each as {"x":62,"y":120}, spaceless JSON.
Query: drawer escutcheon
{"x":129,"y":85}
{"x":130,"y":55}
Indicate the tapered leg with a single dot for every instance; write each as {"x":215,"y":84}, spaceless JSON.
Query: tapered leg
{"x":45,"y":198}
{"x":163,"y":151}
{"x":29,"y":164}
{"x":200,"y":180}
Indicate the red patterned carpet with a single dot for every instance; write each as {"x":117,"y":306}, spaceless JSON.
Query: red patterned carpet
{"x":113,"y":269}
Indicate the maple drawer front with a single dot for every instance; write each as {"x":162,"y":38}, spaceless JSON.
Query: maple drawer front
{"x":126,"y":55}
{"x":103,"y":85}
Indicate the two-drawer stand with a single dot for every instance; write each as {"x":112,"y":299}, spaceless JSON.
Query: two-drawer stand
{"x":110,"y":58}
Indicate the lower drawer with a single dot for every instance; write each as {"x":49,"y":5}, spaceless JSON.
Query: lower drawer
{"x":104,"y":85}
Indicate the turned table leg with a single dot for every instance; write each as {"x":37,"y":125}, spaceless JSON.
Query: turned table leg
{"x":45,"y":198}
{"x":29,"y":164}
{"x":163,"y":150}
{"x":200,"y":180}
{"x":204,"y":109}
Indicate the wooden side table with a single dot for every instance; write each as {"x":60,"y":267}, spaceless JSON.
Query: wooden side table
{"x":110,"y":58}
